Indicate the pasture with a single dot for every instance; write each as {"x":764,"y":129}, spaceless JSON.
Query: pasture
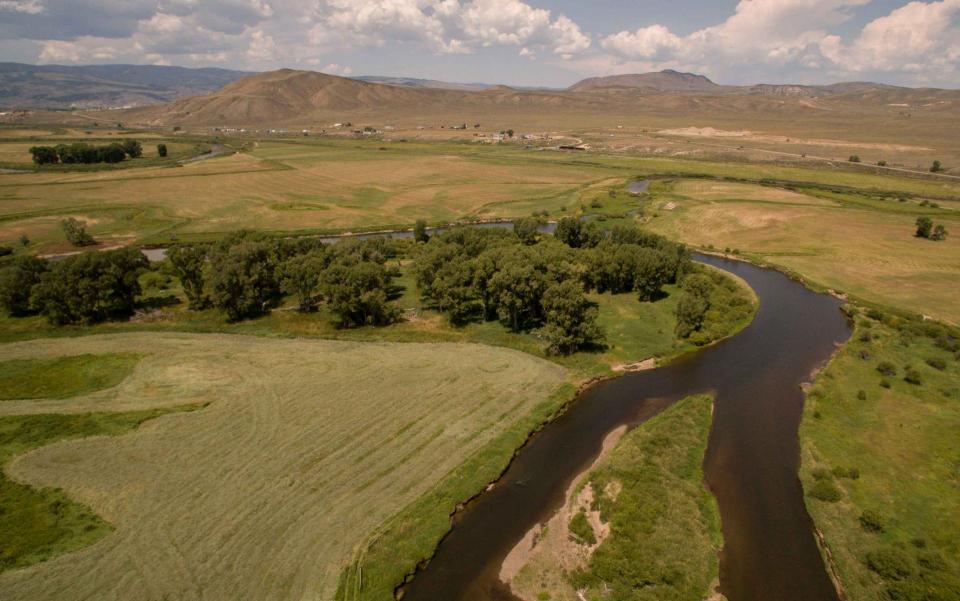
{"x":861,"y":245}
{"x":305,"y":449}
{"x":324,"y":185}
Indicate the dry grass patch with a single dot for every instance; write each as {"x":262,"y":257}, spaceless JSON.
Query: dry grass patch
{"x":307,"y":447}
{"x":867,"y":252}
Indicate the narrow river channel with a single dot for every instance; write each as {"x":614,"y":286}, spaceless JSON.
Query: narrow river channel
{"x":751,"y":462}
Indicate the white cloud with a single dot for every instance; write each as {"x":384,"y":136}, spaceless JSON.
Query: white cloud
{"x":769,"y":38}
{"x":917,"y":37}
{"x":30,"y":7}
{"x":335,"y":69}
{"x":262,"y":46}
{"x":448,"y":27}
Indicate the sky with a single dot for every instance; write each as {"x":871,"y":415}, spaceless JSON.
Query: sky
{"x":515,"y":42}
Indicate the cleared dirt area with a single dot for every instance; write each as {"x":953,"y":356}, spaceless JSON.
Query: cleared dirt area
{"x":307,"y":447}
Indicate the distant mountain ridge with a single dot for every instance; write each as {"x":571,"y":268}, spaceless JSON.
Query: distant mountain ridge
{"x":93,"y":86}
{"x":662,"y":81}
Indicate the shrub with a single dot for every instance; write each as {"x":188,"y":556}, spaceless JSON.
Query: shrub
{"x":854,"y":158}
{"x":939,"y":233}
{"x":44,"y":155}
{"x":862,"y":395}
{"x":875,"y":314}
{"x":913,"y":377}
{"x":866,"y":337}
{"x":871,"y":521}
{"x":580,"y":529}
{"x":937,"y":363}
{"x":76,"y":232}
{"x":886,"y":368}
{"x":924,"y":227}
{"x":936,"y":167}
{"x":891,"y":564}
{"x":825,"y":490}
{"x":885,"y":383}
{"x":161,"y":150}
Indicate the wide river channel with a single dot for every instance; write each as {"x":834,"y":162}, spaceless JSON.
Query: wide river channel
{"x":770,"y":552}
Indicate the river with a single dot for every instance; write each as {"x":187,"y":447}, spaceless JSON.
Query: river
{"x":770,"y":552}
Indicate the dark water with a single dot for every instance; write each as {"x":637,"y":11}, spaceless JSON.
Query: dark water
{"x":751,"y":463}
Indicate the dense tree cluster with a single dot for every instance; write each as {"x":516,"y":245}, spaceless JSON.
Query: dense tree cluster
{"x":710,"y":306}
{"x":83,"y":153}
{"x":495,"y":274}
{"x":85,"y":288}
{"x":247,"y":273}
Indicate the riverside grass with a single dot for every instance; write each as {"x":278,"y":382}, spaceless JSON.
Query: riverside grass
{"x":300,"y":437}
{"x":664,"y":525}
{"x":879,"y":460}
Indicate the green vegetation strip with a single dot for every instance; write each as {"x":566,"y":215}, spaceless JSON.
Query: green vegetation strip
{"x":38,"y":524}
{"x":63,"y":377}
{"x":392,"y":554}
{"x":664,"y":524}
{"x":880,"y":460}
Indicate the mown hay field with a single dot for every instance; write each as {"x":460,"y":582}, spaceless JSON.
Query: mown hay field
{"x":862,"y":246}
{"x":305,"y":448}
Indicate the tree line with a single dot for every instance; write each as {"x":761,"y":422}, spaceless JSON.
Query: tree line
{"x":534,"y":282}
{"x":83,"y":153}
{"x":248,"y":273}
{"x":244,"y":276}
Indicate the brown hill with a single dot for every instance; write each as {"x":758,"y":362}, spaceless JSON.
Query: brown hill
{"x":662,"y":81}
{"x":288,"y":96}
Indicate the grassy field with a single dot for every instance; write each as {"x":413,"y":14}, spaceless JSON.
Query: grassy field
{"x":640,"y":525}
{"x":880,"y":462}
{"x":859,"y":244}
{"x":41,"y":523}
{"x":306,"y":448}
{"x":64,"y":376}
{"x":311,"y":185}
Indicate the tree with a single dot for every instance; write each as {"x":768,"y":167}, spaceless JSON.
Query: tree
{"x":133,"y":149}
{"x":243,"y":280}
{"x":936,"y":167}
{"x":570,"y":319}
{"x":44,"y":155}
{"x":510,"y":133}
{"x":939,"y":233}
{"x":653,"y":272}
{"x":517,"y":288}
{"x":111,"y":153}
{"x":881,"y":163}
{"x":90,"y":287}
{"x":24,"y":240}
{"x":526,"y":229}
{"x":568,"y":232}
{"x":357,"y":294}
{"x":188,"y":263}
{"x":420,"y":231}
{"x":76,"y":232}
{"x":300,"y":275}
{"x":924,"y":227}
{"x":854,"y":158}
{"x":693,"y":304}
{"x":17,"y":281}
{"x":161,"y":150}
